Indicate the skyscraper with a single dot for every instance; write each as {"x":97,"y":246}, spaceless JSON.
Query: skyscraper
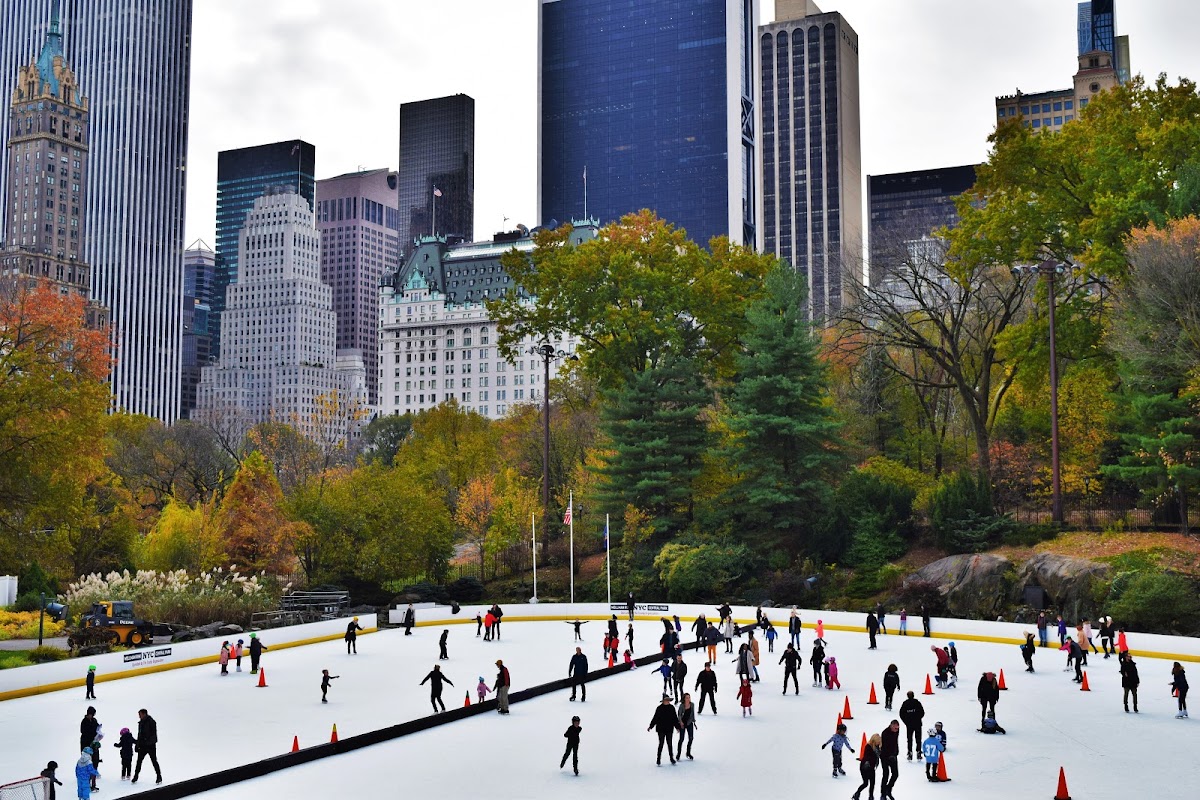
{"x":243,"y":176}
{"x":199,"y":263}
{"x":47,"y":169}
{"x":811,"y":154}
{"x":135,"y":192}
{"x":287,"y":375}
{"x":437,"y":169}
{"x":649,"y":105}
{"x":357,"y":219}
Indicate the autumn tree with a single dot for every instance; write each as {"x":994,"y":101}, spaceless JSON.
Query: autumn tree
{"x":257,"y":535}
{"x":447,"y":447}
{"x":473,"y":513}
{"x":53,"y":398}
{"x":185,"y":536}
{"x":160,"y":463}
{"x":639,"y":292}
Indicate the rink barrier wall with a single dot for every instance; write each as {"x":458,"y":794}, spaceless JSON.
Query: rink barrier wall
{"x":71,"y":673}
{"x":258,"y":769}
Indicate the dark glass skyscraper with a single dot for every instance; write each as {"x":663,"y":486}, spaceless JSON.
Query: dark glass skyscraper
{"x":437,"y":151}
{"x":654,"y":102}
{"x":242,"y":177}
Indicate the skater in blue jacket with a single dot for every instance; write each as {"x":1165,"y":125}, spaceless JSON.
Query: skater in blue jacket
{"x":85,"y":773}
{"x":932,"y":749}
{"x":838,"y":740}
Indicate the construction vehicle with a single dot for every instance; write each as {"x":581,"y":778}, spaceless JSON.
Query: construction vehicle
{"x":112,"y":622}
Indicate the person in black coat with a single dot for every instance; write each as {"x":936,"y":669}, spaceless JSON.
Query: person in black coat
{"x":817,"y":660}
{"x":572,"y":737}
{"x":147,"y":742}
{"x":630,"y":604}
{"x":1129,"y":682}
{"x":988,"y":693}
{"x":1075,"y":654}
{"x":687,"y":722}
{"x":889,"y":757}
{"x":87,"y":728}
{"x":891,"y":683}
{"x":410,"y":619}
{"x":925,"y":621}
{"x":91,"y":683}
{"x":613,"y":633}
{"x":665,"y":721}
{"x":256,"y":650}
{"x":351,"y":638}
{"x":442,"y":654}
{"x":872,"y":628}
{"x":678,"y":675}
{"x":435,"y":679}
{"x":791,"y":662}
{"x":867,"y":764}
{"x":700,"y":626}
{"x":577,"y":671}
{"x":911,"y":714}
{"x":706,"y":682}
{"x":1027,"y":651}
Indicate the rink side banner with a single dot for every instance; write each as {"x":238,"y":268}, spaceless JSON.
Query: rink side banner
{"x":155,"y":655}
{"x":647,"y":608}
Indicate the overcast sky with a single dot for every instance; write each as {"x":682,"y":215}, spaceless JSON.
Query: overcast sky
{"x":334,"y":72}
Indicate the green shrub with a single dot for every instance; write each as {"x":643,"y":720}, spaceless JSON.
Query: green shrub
{"x":917,"y":593}
{"x":43,"y":655}
{"x":696,"y":572}
{"x":1155,"y":602}
{"x":1029,"y":535}
{"x":873,"y":542}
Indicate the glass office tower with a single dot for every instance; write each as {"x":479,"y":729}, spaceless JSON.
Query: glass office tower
{"x":243,"y":176}
{"x":654,"y":101}
{"x":133,"y":60}
{"x":437,"y":151}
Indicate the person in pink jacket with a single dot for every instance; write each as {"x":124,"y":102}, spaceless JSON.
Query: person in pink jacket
{"x":833,"y":673}
{"x":223,"y":659}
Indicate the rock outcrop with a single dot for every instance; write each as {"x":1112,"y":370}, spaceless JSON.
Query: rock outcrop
{"x":973,"y":585}
{"x":1067,"y":580}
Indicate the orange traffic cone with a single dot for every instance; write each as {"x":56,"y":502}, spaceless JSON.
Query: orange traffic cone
{"x":862,"y":748}
{"x":612,"y":657}
{"x":928,"y":685}
{"x":846,"y":709}
{"x":872,"y":701}
{"x":1062,"y":793}
{"x":1003,"y":688}
{"x":941,"y":773}
{"x":333,"y":736}
{"x":295,"y":744}
{"x":262,"y":679}
{"x":839,"y":722}
{"x":1083,"y":687}
{"x":467,"y":701}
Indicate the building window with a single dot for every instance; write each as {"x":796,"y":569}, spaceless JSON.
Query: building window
{"x":1037,"y":123}
{"x":1058,"y":120}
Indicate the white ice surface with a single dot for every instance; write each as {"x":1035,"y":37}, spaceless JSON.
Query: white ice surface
{"x":207,"y":722}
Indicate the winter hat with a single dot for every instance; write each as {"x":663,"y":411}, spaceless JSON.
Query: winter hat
{"x":85,"y":758}
{"x":950,"y":645}
{"x":92,"y":668}
{"x":356,"y":619}
{"x":254,"y":636}
{"x":932,"y":732}
{"x":124,"y":731}
{"x":574,"y":719}
{"x":241,"y":641}
{"x":481,"y":679}
{"x":499,"y":663}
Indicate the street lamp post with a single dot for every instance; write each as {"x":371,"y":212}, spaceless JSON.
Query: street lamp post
{"x":548,"y":353}
{"x":1050,"y":269}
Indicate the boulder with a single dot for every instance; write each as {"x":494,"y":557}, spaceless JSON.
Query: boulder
{"x":202,"y":632}
{"x":1067,"y":580}
{"x":229,"y":630}
{"x":973,"y":585}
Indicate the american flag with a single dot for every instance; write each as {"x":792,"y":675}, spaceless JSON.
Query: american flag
{"x":567,"y":516}
{"x":437,"y":192}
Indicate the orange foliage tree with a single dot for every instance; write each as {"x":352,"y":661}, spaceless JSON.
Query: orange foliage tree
{"x":256,"y":531}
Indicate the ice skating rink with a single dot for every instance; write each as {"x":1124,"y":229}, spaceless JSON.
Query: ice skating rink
{"x":207,"y":722}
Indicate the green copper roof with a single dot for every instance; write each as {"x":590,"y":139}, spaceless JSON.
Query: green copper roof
{"x":51,"y":49}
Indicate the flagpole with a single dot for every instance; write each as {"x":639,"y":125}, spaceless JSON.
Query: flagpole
{"x":571,"y":505}
{"x":608,"y":560}
{"x":533,"y":527}
{"x":434,"y":225}
{"x":585,"y":216}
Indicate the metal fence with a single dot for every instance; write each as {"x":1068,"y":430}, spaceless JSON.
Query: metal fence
{"x":1130,"y":519}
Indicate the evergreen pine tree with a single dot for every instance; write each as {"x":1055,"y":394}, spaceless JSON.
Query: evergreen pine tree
{"x":785,"y":437}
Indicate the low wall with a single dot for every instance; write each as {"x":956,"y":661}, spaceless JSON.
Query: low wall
{"x":40,"y":678}
{"x":1146,"y":645}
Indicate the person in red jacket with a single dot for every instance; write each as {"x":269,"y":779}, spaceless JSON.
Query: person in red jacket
{"x":746,"y":696}
{"x":503,"y":681}
{"x":943,"y":664}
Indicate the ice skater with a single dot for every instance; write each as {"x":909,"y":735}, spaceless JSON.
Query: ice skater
{"x":85,"y":774}
{"x":578,"y":635}
{"x":794,"y":627}
{"x":989,"y":725}
{"x":147,"y":740}
{"x":903,"y":622}
{"x":410,"y":619}
{"x":325,"y":680}
{"x":1043,"y":635}
{"x":988,"y":693}
{"x":687,"y":718}
{"x":706,"y":682}
{"x":1179,"y":684}
{"x":89,"y":726}
{"x":754,"y":656}
{"x":1106,"y":637}
{"x":629,"y":637}
{"x":791,"y":663}
{"x":889,"y":758}
{"x":879,"y":615}
{"x":665,"y":722}
{"x":872,"y":632}
{"x":838,"y":740}
{"x":831,"y":673}
{"x":771,"y":635}
{"x":943,"y":664}
{"x":49,"y":774}
{"x":256,"y":651}
{"x":125,"y":746}
{"x":745,"y":697}
{"x":482,"y":689}
{"x":1027,"y":651}
{"x":817,"y":660}
{"x":352,"y":636}
{"x":223,"y":658}
{"x":664,"y":669}
{"x":631,"y":604}
{"x":891,"y":683}
{"x":911,"y":714}
{"x":712,"y":637}
{"x":479,"y":625}
{"x":91,"y":683}
{"x":237,"y":653}
{"x":932,"y":748}
{"x":577,"y":670}
{"x":679,"y":672}
{"x":867,"y":764}
{"x":503,"y":681}
{"x":1129,"y":682}
{"x":442,"y":654}
{"x":435,"y":678}
{"x":572,"y":737}
{"x":727,"y":632}
{"x":744,"y":661}
{"x":1061,"y":624}
{"x":700,"y":626}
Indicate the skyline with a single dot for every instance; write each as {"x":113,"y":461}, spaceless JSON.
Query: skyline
{"x":329,"y":94}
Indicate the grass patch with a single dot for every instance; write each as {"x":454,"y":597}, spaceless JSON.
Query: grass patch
{"x":1148,"y":559}
{"x":14,"y":658}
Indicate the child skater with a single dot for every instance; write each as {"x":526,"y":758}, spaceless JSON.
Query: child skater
{"x":482,"y":689}
{"x":838,"y":740}
{"x":48,"y":774}
{"x":325,"y":679}
{"x":126,"y":744}
{"x":931,"y":749}
{"x":572,"y":737}
{"x":746,"y":695}
{"x":629,"y":660}
{"x":831,"y":674}
{"x":579,"y":636}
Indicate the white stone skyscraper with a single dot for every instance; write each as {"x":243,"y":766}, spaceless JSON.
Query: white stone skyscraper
{"x":279,"y":360}
{"x":132,"y":59}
